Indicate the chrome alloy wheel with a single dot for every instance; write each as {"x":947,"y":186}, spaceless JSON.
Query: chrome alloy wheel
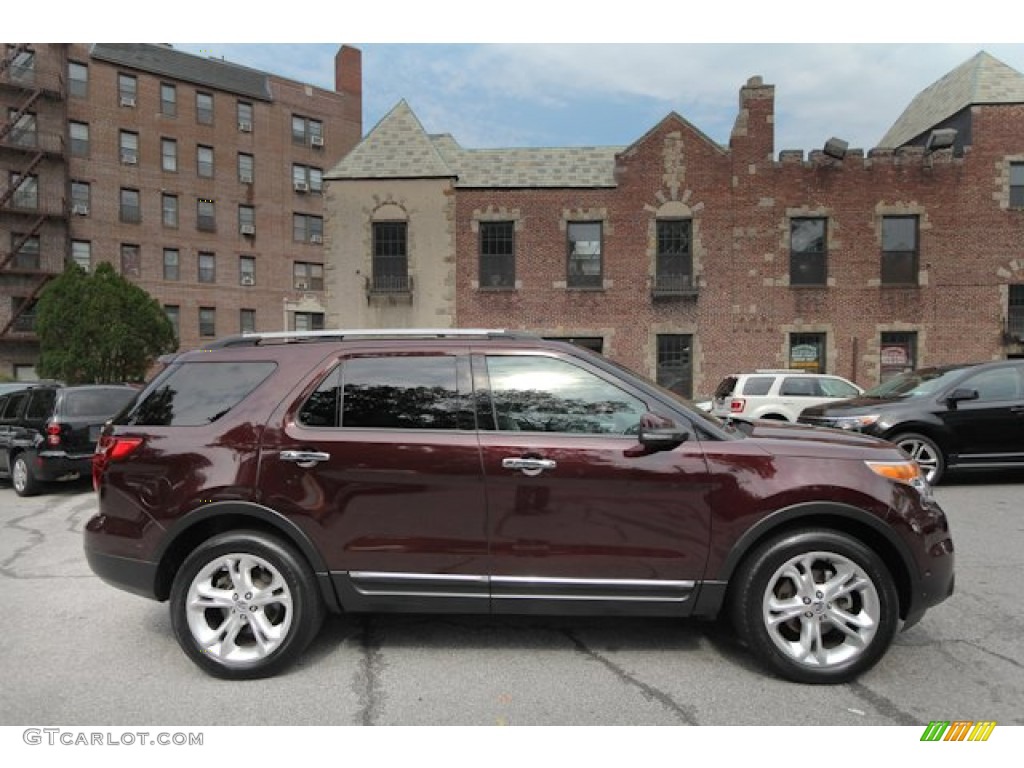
{"x":821,"y":609}
{"x":925,"y":454}
{"x":19,"y":476}
{"x":239,"y":609}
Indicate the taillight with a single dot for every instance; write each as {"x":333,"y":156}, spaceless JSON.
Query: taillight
{"x":737,"y":404}
{"x":53,"y":433}
{"x":110,"y":449}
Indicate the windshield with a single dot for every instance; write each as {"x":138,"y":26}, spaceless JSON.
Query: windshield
{"x":914,"y":383}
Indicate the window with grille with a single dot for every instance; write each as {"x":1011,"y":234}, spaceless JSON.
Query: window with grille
{"x":584,"y":262}
{"x":390,"y":257}
{"x":899,"y":250}
{"x":497,"y":254}
{"x":808,"y":259}
{"x":675,"y":363}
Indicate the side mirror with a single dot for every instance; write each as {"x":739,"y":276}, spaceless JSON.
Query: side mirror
{"x":960,"y":394}
{"x":662,"y":438}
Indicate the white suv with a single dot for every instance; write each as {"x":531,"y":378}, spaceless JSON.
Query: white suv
{"x":778,"y":394}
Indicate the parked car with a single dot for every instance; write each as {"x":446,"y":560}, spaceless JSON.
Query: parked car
{"x":48,"y":432}
{"x":947,"y":417}
{"x":778,"y":394}
{"x":268,"y":478}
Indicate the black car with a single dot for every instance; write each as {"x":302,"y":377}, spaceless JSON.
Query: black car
{"x":49,"y":432}
{"x":947,"y":417}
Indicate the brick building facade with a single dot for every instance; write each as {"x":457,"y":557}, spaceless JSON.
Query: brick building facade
{"x":199,"y":180}
{"x":689,"y":260}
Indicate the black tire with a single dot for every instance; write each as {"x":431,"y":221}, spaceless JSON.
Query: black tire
{"x":23,"y":477}
{"x":798,"y":635}
{"x":273,"y":619}
{"x":926,"y":452}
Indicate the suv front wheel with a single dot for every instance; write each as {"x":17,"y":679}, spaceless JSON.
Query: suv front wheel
{"x":925,"y":452}
{"x":244,"y":605}
{"x":816,"y":606}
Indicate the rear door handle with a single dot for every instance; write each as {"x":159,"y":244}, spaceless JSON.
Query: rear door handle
{"x":528,"y":466}
{"x":305,"y":459}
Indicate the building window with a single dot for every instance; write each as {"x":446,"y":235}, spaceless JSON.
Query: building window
{"x":307,"y":276}
{"x":26,"y":251}
{"x":24,"y":131}
{"x":206,"y":215}
{"x":207,"y":321}
{"x":246,"y":220}
{"x":247,"y":270}
{"x":128,"y":141}
{"x":1017,"y":185}
{"x":807,"y":352}
{"x":131,"y":262}
{"x":173,"y":312}
{"x":307,"y":229}
{"x":79,"y":139}
{"x":131,"y":207}
{"x":675,"y":363}
{"x":78,"y":80}
{"x":247,"y":321}
{"x":306,"y":178}
{"x":497,"y":254}
{"x":307,"y":131}
{"x":673,"y":269}
{"x":172,"y":264}
{"x":169,"y":155}
{"x":1015,"y":311}
{"x":169,"y":205}
{"x":127,"y":89}
{"x":168,"y":100}
{"x":390,"y":257}
{"x":23,"y":311}
{"x":584,"y":264}
{"x":244,"y":116}
{"x":246,"y":168}
{"x":81,"y":194}
{"x":307,"y":321}
{"x":204,"y":108}
{"x":204,"y":161}
{"x":899,"y":250}
{"x":897,"y":353}
{"x":207,"y":267}
{"x":808,"y":257}
{"x":26,"y":191}
{"x":81,"y":253}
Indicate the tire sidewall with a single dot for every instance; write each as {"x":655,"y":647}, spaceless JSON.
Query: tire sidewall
{"x":940,"y":469}
{"x":307,"y":608}
{"x":758,"y":571}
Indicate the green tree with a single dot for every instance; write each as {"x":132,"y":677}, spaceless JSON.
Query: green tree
{"x":99,"y":328}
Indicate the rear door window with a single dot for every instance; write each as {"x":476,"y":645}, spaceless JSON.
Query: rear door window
{"x":758,"y":385}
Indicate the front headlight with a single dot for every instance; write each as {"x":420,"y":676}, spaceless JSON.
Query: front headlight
{"x":855,"y":422}
{"x":908,"y":472}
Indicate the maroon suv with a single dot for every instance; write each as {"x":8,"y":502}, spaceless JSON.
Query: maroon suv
{"x":267,"y":478}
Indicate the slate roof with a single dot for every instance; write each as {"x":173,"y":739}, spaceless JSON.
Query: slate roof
{"x":161,"y":60}
{"x":399,"y":148}
{"x":983,"y":79}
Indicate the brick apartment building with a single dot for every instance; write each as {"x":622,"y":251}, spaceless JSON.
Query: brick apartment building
{"x":689,"y":260}
{"x":200,"y":180}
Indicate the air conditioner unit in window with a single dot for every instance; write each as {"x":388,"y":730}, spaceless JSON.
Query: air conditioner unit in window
{"x":80,"y":209}
{"x":129,"y":157}
{"x":248,"y":280}
{"x":127,"y":101}
{"x":301,"y":186}
{"x":245,"y":178}
{"x":301,"y":285}
{"x":245,"y":126}
{"x":247,"y":229}
{"x":316,"y":141}
{"x":316,"y":238}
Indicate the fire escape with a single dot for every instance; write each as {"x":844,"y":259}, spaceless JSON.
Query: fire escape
{"x":32,"y":187}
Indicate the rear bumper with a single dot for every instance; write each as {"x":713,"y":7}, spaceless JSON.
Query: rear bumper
{"x":136,"y":576}
{"x":54,"y":465}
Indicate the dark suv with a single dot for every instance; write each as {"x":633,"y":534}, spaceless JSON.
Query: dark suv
{"x":948,"y":417}
{"x":267,"y":478}
{"x":48,"y":432}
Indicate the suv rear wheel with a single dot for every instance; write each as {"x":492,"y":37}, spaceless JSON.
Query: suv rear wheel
{"x":816,"y":606}
{"x":23,"y":479}
{"x":244,"y":605}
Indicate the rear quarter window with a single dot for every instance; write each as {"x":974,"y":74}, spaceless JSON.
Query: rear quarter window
{"x":191,"y":394}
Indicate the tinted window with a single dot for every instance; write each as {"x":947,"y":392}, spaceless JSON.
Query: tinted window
{"x":82,"y":403}
{"x":758,"y":385}
{"x":543,"y":394}
{"x":799,"y":387}
{"x":41,"y":404}
{"x":995,"y":385}
{"x":198,"y":393}
{"x":726,"y":387}
{"x":14,"y":403}
{"x":914,"y":383}
{"x":400,"y":393}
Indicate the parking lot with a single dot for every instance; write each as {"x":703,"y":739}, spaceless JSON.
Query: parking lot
{"x":75,"y":651}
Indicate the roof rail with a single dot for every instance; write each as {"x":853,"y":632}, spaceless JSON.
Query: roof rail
{"x":257,"y":338}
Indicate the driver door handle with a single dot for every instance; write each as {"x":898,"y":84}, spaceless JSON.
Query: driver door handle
{"x":536,"y":465}
{"x":305,"y":459}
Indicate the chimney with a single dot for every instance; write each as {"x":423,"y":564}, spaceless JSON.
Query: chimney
{"x":753,"y":135}
{"x":348,"y":80}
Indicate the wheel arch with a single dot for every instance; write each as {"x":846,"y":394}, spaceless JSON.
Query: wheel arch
{"x":842,"y":518}
{"x":221,"y":517}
